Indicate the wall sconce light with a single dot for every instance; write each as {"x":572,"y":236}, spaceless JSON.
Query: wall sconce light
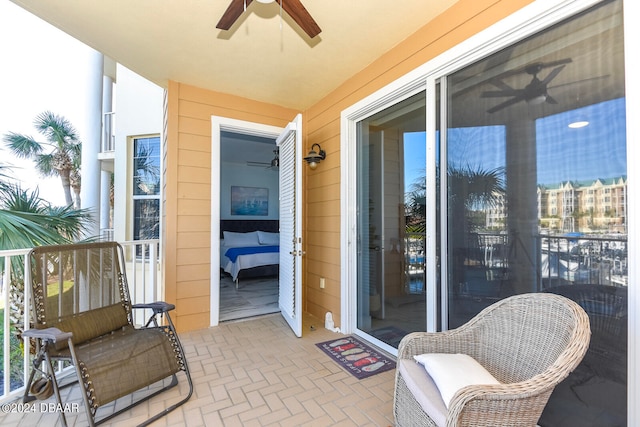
{"x":314,"y":157}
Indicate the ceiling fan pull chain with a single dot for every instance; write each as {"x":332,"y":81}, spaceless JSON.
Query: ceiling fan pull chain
{"x":245,"y":5}
{"x":281,"y":15}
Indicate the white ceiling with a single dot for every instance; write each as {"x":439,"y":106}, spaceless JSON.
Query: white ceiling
{"x":262,"y":57}
{"x":240,"y":148}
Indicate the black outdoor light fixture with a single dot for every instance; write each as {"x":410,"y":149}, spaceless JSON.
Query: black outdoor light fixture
{"x":314,"y":157}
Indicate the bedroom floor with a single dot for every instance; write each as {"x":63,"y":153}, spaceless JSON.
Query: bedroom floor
{"x":254,"y":297}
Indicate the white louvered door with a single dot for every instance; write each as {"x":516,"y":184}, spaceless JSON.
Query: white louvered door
{"x":290,"y":298}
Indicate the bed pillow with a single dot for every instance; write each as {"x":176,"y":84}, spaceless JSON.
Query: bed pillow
{"x":266,"y":238}
{"x":233,"y":239}
{"x":451,"y":372}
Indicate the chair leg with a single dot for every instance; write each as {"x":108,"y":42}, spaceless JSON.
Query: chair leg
{"x":36,"y":364}
{"x":174,"y":406}
{"x":56,"y":389}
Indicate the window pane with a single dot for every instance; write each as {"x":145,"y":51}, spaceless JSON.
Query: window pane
{"x":537,"y":203}
{"x":146,"y":221}
{"x":146,"y":169}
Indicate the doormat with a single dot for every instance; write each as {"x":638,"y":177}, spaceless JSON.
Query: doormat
{"x":356,"y":357}
{"x":389,"y":334}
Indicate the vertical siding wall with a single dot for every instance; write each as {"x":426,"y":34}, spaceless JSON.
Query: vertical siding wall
{"x":322,"y":126}
{"x":188,"y":188}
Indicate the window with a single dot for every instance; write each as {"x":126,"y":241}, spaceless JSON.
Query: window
{"x":146,"y":188}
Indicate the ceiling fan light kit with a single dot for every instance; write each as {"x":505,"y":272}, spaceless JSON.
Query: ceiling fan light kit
{"x":294,"y":8}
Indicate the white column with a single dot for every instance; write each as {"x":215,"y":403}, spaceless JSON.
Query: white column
{"x":107,"y":167}
{"x":91,"y":136}
{"x":522,"y":200}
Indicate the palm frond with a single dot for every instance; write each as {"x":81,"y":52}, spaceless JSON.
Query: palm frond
{"x":26,"y":230}
{"x":14,"y":198}
{"x":58,"y":130}
{"x":69,"y":222}
{"x":22,"y":146}
{"x":44,"y":164}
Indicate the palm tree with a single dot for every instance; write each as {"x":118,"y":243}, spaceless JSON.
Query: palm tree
{"x":471,"y":190}
{"x":59,"y":156}
{"x":26,"y":221}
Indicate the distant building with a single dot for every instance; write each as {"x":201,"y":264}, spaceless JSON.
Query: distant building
{"x":569,"y":206}
{"x":593,"y":205}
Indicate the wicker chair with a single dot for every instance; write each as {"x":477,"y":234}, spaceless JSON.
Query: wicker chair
{"x":528,"y":342}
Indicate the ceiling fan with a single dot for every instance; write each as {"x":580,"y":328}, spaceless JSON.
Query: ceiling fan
{"x":272,"y":165}
{"x":533,"y":93}
{"x":293,"y":7}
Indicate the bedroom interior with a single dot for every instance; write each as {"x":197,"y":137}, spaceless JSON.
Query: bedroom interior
{"x":249,"y":226}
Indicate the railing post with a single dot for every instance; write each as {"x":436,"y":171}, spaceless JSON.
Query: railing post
{"x":153,"y":271}
{"x":26,"y":321}
{"x":6,"y":350}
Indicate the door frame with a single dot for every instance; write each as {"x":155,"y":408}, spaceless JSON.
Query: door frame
{"x":219,"y":124}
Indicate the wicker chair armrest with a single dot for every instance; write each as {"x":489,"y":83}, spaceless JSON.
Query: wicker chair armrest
{"x":499,"y":403}
{"x":48,"y":334}
{"x":157,"y":307}
{"x":452,"y":341}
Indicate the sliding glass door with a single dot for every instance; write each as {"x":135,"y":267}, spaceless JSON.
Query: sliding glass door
{"x":391,"y":209}
{"x":524,"y":149}
{"x":536,"y":188}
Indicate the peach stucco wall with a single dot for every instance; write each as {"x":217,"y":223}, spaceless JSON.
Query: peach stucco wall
{"x":187,"y":164}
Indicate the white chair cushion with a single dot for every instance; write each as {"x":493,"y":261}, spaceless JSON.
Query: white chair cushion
{"x":424,"y":390}
{"x":451,"y":372}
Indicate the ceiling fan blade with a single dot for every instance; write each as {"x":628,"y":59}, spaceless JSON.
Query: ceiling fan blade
{"x":258,"y":164}
{"x":231,"y":15}
{"x":563,"y":61}
{"x":303,"y":18}
{"x":552,"y":75}
{"x":576,"y":82}
{"x":501,"y":85}
{"x":506,"y":104}
{"x":529,"y":69}
{"x":500,"y":93}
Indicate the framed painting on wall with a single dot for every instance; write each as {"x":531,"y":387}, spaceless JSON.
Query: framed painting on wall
{"x":249,"y":201}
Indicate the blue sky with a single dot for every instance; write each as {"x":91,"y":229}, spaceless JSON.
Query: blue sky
{"x":595,"y":151}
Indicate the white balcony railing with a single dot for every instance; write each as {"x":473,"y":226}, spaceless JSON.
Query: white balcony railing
{"x":108,"y":133}
{"x":142,"y":269}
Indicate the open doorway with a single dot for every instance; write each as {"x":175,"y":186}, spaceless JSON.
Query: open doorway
{"x":241,"y":156}
{"x":249,"y":225}
{"x":252,"y":199}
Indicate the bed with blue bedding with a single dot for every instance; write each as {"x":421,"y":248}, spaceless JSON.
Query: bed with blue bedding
{"x":244,"y":252}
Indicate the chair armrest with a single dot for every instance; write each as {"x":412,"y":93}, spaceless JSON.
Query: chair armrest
{"x":157,"y":307}
{"x":500,"y":404}
{"x":452,"y":341}
{"x":50,"y":334}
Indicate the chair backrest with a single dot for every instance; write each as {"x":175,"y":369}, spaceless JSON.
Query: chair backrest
{"x":524,"y":335}
{"x":80,"y":288}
